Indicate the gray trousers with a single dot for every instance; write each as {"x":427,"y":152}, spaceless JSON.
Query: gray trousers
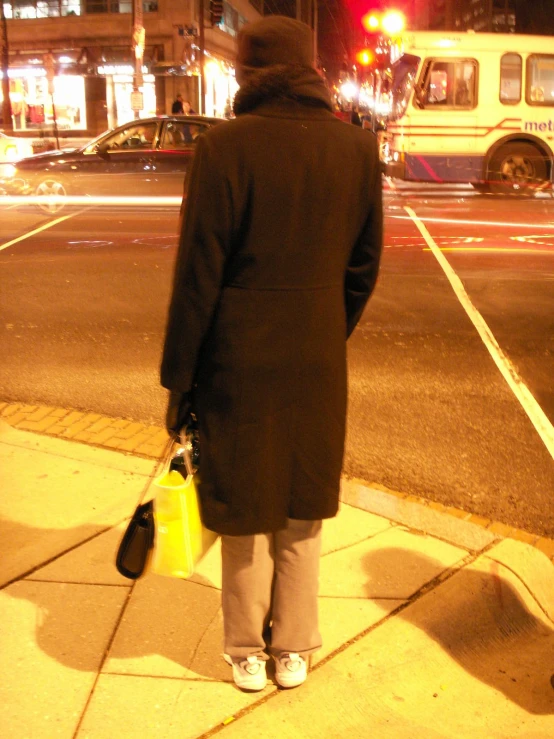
{"x":269,"y":591}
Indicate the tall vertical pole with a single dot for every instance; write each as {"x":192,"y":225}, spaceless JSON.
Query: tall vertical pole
{"x":306,"y":10}
{"x":138,"y":43}
{"x":315,"y":20}
{"x":449,"y":16}
{"x":201,"y":55}
{"x":6,"y":104}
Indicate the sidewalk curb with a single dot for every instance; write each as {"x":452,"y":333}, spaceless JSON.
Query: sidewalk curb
{"x":419,"y":514}
{"x":457,"y":526}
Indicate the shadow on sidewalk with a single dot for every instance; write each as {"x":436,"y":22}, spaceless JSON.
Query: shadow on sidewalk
{"x":173,"y":628}
{"x":481,"y":621}
{"x":174,"y":619}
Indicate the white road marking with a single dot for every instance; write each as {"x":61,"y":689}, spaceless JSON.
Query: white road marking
{"x":38,"y":230}
{"x":535,"y":239}
{"x":495,"y":250}
{"x":90,"y":200}
{"x":536,"y":415}
{"x":474,"y":223}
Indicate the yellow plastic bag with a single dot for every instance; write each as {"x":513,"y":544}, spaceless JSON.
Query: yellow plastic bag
{"x":181,"y":540}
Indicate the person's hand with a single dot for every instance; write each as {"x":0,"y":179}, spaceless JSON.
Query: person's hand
{"x":178,"y":413}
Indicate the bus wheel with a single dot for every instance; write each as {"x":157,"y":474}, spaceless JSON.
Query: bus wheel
{"x":517,"y":169}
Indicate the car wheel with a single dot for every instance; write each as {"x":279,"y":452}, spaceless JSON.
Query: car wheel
{"x":517,"y":169}
{"x":51,"y":187}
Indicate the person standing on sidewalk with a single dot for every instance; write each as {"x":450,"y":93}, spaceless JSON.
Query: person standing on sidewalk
{"x":178,"y":108}
{"x":279,"y":252}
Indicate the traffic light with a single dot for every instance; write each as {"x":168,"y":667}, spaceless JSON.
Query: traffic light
{"x":393,"y":23}
{"x":390,"y":23}
{"x":216,"y":12}
{"x":365,"y":57}
{"x":371,"y":22}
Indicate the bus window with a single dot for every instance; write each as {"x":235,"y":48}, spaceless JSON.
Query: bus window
{"x":450,"y":83}
{"x":540,"y":79}
{"x":510,"y":79}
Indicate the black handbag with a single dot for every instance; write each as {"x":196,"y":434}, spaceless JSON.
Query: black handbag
{"x":137,"y":542}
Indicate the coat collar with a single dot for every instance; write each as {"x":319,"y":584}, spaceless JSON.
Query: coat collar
{"x":290,"y":109}
{"x":281,"y":88}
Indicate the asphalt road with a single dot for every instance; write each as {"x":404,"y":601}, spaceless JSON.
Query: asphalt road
{"x":84,"y":295}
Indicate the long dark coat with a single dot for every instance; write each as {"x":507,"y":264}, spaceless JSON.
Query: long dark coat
{"x":278,"y":254}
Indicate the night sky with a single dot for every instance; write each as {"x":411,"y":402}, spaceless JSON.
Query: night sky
{"x":340,"y":32}
{"x":336,"y":29}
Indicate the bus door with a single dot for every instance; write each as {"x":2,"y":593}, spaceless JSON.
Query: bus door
{"x":442,"y":134}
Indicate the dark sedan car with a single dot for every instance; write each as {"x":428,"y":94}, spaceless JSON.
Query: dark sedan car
{"x":146,"y":157}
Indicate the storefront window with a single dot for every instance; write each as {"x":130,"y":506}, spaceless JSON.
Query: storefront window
{"x":221,"y":88}
{"x":69,"y":99}
{"x":122,"y":89}
{"x":32,"y":104}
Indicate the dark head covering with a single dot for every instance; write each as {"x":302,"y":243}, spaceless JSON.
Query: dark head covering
{"x":275,"y":59}
{"x":275,"y":39}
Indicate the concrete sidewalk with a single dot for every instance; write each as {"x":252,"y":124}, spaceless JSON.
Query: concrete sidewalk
{"x":432,"y":626}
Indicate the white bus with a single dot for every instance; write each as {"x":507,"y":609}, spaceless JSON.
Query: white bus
{"x":472,"y":107}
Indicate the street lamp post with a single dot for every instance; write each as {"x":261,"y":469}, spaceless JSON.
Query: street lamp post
{"x":137,"y":101}
{"x":202,"y":56}
{"x":6,"y":105}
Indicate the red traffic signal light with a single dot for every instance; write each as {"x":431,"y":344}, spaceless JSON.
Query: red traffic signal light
{"x":216,"y":12}
{"x":371,"y":22}
{"x":390,"y":23}
{"x":365,"y":57}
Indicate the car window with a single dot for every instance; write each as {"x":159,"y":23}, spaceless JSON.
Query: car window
{"x":134,"y":136}
{"x":181,"y":134}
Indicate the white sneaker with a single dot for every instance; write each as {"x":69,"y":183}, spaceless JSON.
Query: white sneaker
{"x":290,"y":670}
{"x":248,"y":674}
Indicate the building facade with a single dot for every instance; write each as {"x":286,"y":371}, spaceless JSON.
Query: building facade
{"x":460,"y":15}
{"x":73,"y":60}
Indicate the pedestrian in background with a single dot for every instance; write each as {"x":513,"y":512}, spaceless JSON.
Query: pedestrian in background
{"x":228,"y":109}
{"x":355,"y":118}
{"x":187,"y":108}
{"x":278,"y":254}
{"x":177,"y":107}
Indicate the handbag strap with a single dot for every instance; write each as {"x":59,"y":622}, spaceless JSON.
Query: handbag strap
{"x":186,"y":449}
{"x":162,"y":462}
